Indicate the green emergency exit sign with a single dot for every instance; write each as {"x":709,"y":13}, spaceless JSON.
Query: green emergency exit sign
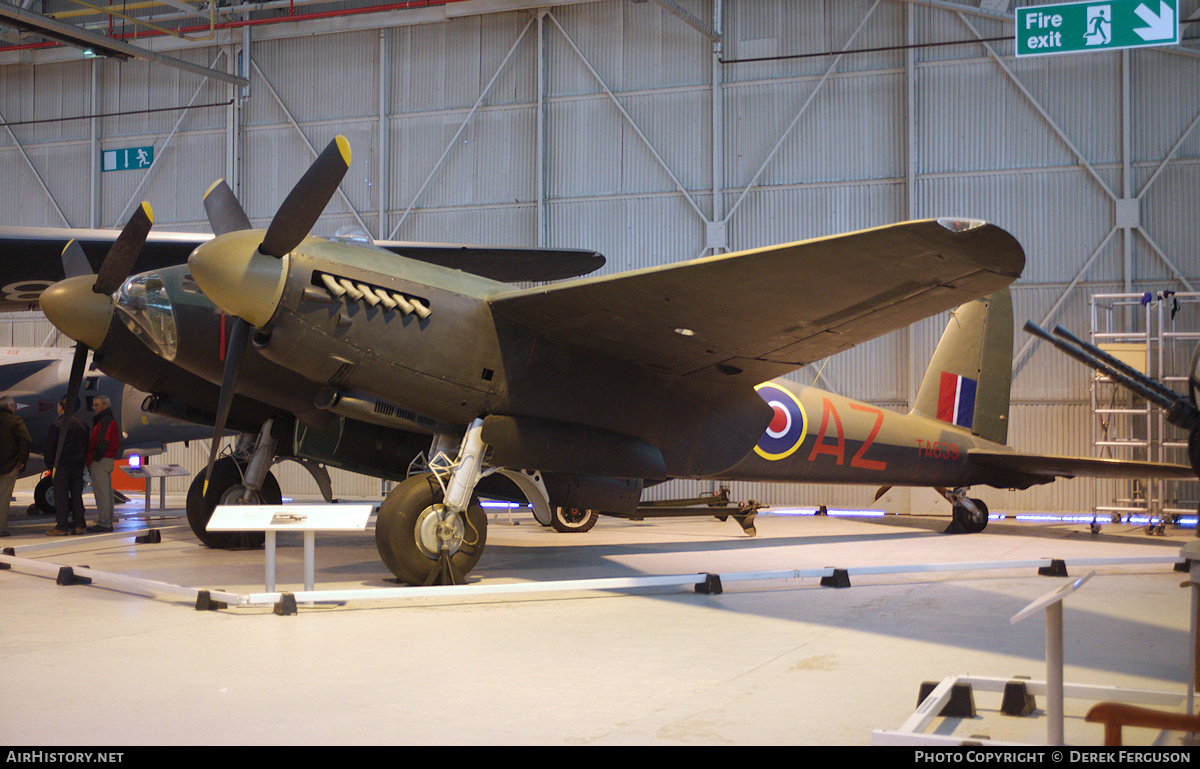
{"x":126,"y":159}
{"x":1096,"y":26}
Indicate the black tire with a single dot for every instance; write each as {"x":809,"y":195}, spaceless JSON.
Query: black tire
{"x":971,"y":524}
{"x":406,"y":508}
{"x":43,"y":496}
{"x":573,"y":519}
{"x":226,"y":477}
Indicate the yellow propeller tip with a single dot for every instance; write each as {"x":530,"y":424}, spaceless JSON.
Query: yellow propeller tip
{"x":212,"y":187}
{"x":204,"y":492}
{"x":69,"y":242}
{"x":148,"y":211}
{"x":344,"y":148}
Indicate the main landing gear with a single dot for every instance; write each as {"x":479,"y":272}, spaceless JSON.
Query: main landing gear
{"x":242,"y":479}
{"x":430,"y":528}
{"x":421,"y":540}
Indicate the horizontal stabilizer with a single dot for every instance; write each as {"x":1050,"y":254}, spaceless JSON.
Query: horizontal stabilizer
{"x":1043,"y":468}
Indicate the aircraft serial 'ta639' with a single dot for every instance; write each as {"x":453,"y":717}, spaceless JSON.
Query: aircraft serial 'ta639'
{"x":580,"y":392}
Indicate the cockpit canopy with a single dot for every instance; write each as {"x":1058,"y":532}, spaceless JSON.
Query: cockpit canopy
{"x":146,"y":310}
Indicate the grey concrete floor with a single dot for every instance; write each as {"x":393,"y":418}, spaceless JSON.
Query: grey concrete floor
{"x":764,"y":662}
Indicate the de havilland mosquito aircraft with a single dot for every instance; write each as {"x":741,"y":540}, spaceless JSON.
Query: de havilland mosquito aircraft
{"x":581,"y":392}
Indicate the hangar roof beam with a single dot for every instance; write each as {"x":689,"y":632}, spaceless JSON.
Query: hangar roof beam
{"x":82,"y":38}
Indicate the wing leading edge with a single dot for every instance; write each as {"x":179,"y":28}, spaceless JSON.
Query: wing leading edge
{"x":31,"y":258}
{"x":768,"y":311}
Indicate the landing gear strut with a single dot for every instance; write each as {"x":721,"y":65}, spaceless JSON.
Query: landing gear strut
{"x":242,"y":480}
{"x":970,"y":516}
{"x":227,"y":487}
{"x":430,"y":529}
{"x":421,"y":541}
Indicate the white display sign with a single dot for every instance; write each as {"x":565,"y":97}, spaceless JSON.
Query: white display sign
{"x":351,"y":517}
{"x":155,"y":471}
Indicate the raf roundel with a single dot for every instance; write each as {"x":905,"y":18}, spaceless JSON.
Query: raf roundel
{"x":788,"y":426}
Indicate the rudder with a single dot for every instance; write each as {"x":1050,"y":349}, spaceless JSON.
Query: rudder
{"x":969,"y":378}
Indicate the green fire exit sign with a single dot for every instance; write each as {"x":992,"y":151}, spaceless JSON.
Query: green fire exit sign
{"x":1096,"y":26}
{"x":126,"y":159}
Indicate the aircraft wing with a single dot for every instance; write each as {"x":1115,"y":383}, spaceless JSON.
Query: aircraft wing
{"x":31,"y":258}
{"x":503,"y":264}
{"x":1043,"y":468}
{"x":767,"y":311}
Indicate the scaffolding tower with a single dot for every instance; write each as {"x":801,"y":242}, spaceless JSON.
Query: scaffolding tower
{"x":1155,"y":333}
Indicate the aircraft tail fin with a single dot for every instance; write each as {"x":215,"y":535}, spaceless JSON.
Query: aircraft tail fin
{"x":967,"y":382}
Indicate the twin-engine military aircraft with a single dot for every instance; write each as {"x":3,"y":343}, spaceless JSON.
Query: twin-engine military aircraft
{"x":580,"y":393}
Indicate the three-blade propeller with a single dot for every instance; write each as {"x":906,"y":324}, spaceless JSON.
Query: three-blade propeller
{"x":290,"y":225}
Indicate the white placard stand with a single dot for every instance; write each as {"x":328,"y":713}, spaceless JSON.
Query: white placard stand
{"x":148,"y":473}
{"x":306,"y":518}
{"x":1052,"y":602}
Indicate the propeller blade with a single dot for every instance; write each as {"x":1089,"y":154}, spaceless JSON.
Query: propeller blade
{"x":124,"y":251}
{"x":225,"y":213}
{"x":74,"y":261}
{"x":307,"y":200}
{"x":74,"y":384}
{"x":239,"y":336}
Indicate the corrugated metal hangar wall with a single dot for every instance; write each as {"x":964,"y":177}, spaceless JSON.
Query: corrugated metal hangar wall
{"x":660,"y":131}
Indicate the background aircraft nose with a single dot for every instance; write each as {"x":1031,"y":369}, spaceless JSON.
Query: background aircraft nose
{"x":78,"y":311}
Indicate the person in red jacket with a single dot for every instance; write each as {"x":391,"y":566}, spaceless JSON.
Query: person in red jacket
{"x":103,"y":447}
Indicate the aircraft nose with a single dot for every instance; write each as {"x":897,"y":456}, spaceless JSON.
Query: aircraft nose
{"x":78,"y":311}
{"x":237,"y":277}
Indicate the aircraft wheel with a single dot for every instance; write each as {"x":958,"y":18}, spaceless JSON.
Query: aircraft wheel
{"x":969,"y":522}
{"x":407,"y":531}
{"x":567,"y":519}
{"x":225,"y":487}
{"x":43,"y":496}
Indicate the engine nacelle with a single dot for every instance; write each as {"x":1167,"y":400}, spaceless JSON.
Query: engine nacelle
{"x":546,"y":491}
{"x":608,"y":495}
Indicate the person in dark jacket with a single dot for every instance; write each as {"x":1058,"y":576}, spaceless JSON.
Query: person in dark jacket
{"x":67,"y":471}
{"x":14,"y":454}
{"x":103,"y":448}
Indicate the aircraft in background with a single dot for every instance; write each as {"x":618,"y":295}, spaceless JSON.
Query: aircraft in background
{"x":579,"y":393}
{"x":37,"y":377}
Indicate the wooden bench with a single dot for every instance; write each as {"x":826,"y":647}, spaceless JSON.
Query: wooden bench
{"x":1114,"y":715}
